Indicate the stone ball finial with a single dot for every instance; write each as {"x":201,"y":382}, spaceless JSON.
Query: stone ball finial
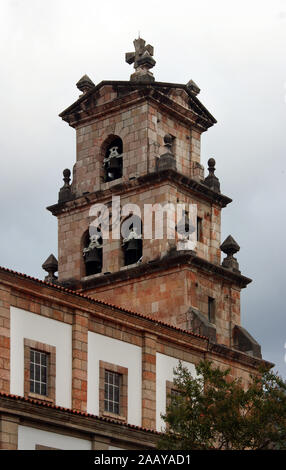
{"x":211,"y":163}
{"x":167,"y":161}
{"x":67,"y":175}
{"x":65,"y":193}
{"x":168,"y":140}
{"x":211,"y":180}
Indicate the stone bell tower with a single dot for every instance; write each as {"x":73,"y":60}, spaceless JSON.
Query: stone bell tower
{"x":139,"y":140}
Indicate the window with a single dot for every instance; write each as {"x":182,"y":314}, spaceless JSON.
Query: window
{"x":211,"y":310}
{"x":113,"y":391}
{"x":112,"y":383}
{"x":199,"y":229}
{"x":39,"y":370}
{"x":171,"y":392}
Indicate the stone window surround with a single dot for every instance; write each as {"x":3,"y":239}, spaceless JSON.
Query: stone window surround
{"x":123,"y":371}
{"x":51,"y":351}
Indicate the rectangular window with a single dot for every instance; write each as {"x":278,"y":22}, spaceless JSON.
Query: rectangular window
{"x":38,"y":372}
{"x":199,"y":229}
{"x":112,"y":384}
{"x":211,"y":310}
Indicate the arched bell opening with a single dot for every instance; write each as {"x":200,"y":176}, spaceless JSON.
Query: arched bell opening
{"x":132,"y":242}
{"x":92,"y":253}
{"x":112,"y":150}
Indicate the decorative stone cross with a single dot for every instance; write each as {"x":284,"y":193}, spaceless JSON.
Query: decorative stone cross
{"x":142,"y":59}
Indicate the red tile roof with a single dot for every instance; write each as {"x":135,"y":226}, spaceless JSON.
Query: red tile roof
{"x":97,"y":301}
{"x":74,"y":412}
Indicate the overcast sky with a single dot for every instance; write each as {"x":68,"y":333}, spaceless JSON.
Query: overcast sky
{"x":234,"y":51}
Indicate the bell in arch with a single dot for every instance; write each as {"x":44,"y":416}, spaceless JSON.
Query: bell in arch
{"x":93,"y":254}
{"x":113,"y":160}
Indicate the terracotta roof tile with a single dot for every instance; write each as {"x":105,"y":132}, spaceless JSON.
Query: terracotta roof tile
{"x":97,"y":301}
{"x":75,"y":412}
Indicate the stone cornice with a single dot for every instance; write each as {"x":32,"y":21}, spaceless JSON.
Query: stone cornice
{"x":86,"y":108}
{"x":68,"y":420}
{"x":192,"y":186}
{"x":178,"y":258}
{"x":238,"y":356}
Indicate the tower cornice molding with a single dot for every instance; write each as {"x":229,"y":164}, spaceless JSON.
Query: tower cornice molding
{"x":172,"y":176}
{"x":85,"y":109}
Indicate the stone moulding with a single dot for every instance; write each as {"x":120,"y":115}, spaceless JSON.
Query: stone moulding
{"x":170,"y":175}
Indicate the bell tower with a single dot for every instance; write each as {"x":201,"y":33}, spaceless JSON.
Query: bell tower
{"x":138,"y":142}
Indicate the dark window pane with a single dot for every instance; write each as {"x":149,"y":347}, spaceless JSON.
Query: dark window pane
{"x":43,"y":389}
{"x":38,"y":373}
{"x":37,"y":388}
{"x":32,"y":371}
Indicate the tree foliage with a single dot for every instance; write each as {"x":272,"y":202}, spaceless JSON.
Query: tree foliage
{"x":213,"y":411}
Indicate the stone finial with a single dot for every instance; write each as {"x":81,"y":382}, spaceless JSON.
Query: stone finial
{"x":167,"y":160}
{"x":193,"y":87}
{"x":230,"y":247}
{"x":51,"y":266}
{"x":143,"y":61}
{"x":211,"y":180}
{"x":85,"y":84}
{"x":65,"y":193}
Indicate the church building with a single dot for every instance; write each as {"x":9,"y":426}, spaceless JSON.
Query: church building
{"x":87,"y":356}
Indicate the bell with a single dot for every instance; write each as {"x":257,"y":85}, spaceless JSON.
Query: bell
{"x":133,"y":245}
{"x":114,"y":164}
{"x":93,"y":256}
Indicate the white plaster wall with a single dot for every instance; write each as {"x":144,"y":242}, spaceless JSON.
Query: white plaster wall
{"x":45,"y":330}
{"x":103,"y":348}
{"x":165,"y":366}
{"x":29,"y":437}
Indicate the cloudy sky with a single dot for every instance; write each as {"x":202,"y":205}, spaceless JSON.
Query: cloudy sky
{"x":234,"y":51}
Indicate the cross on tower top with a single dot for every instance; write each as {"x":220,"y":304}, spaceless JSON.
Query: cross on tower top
{"x":142,"y":59}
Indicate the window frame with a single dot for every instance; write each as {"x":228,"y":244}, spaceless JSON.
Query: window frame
{"x":50,"y":351}
{"x":211,"y":310}
{"x":123,"y":393}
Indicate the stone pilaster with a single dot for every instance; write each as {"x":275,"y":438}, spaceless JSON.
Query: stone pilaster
{"x":79,"y":361}
{"x":149,"y":381}
{"x":4,"y":339}
{"x":8,"y":432}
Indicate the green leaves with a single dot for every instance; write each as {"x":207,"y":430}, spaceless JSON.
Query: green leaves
{"x":214,"y":411}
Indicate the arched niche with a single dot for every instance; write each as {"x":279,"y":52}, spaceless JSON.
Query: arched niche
{"x":112,"y":153}
{"x":92,"y":253}
{"x":132,"y":243}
